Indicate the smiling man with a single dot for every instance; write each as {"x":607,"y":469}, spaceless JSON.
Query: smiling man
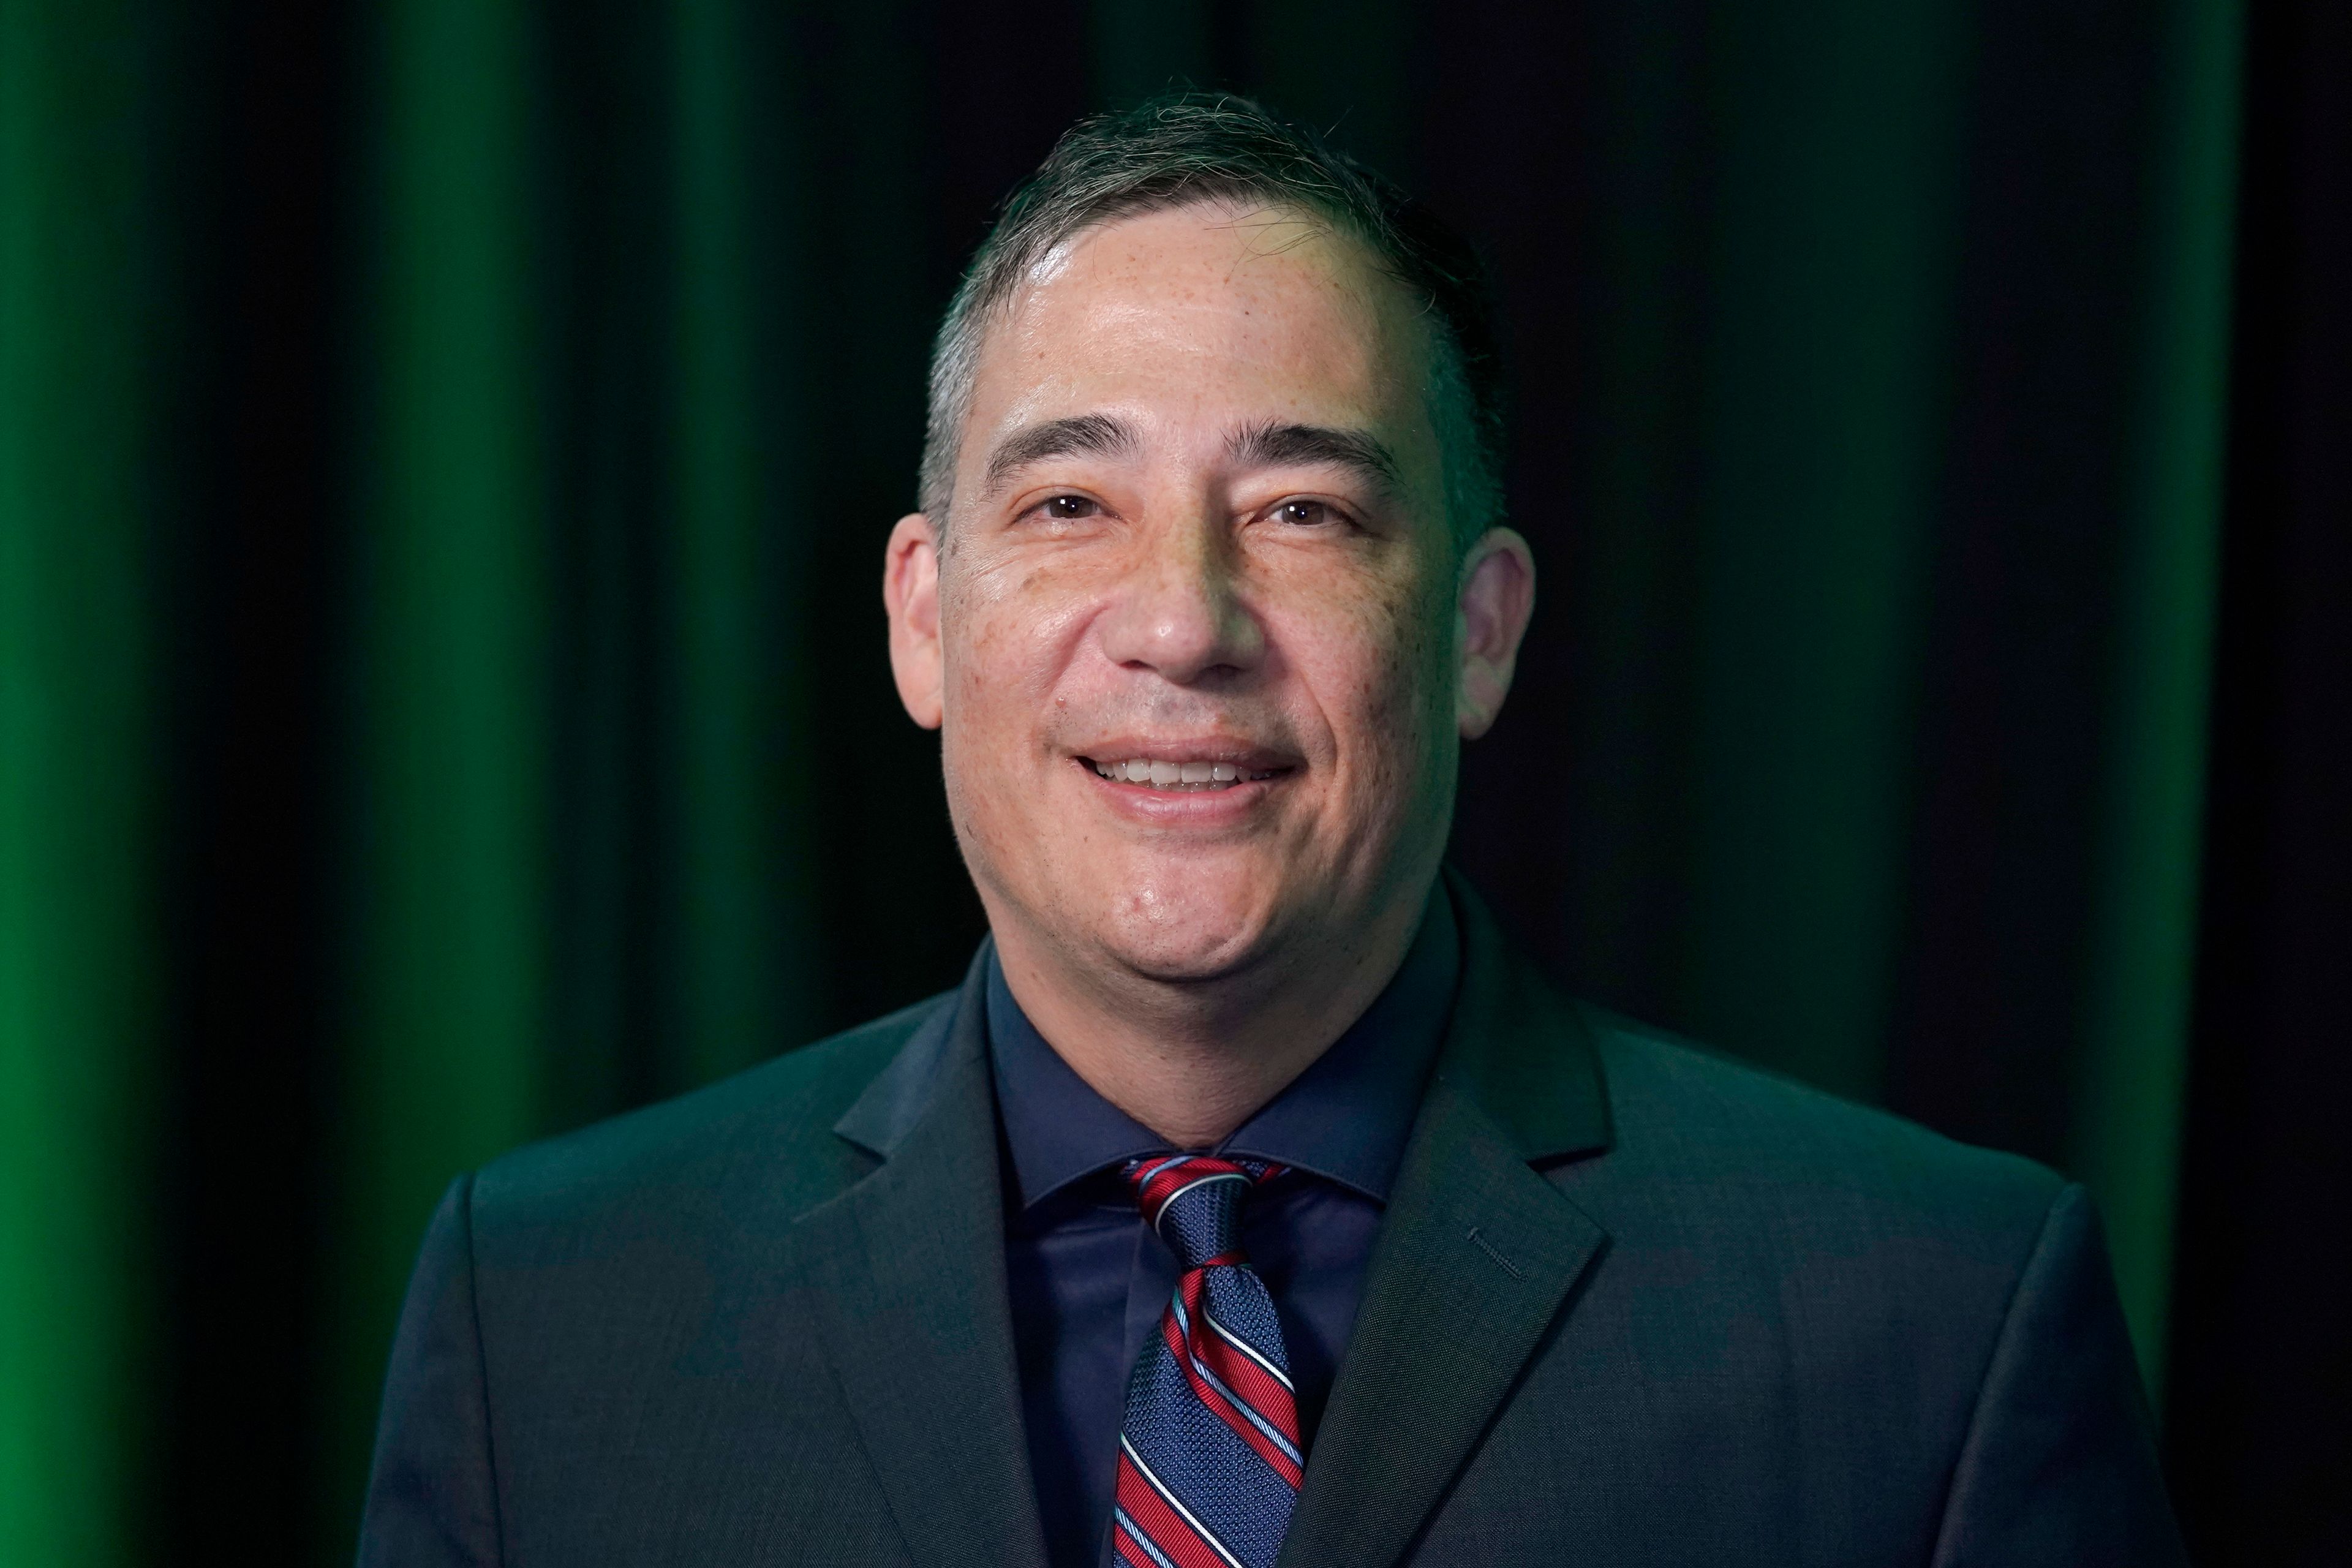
{"x":1252,"y":1200}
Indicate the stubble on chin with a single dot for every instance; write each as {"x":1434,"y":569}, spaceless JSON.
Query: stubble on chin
{"x":1168,"y":933}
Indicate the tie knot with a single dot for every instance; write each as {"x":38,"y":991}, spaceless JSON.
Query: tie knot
{"x":1194,"y":1201}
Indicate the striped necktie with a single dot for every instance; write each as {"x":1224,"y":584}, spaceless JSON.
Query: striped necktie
{"x":1209,"y":1459}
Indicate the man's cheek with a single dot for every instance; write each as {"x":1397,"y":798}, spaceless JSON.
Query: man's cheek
{"x":1022,"y":639}
{"x":993,"y":651}
{"x":1397,"y":650}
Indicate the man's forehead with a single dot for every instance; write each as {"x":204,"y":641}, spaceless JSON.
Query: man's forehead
{"x":1210,"y":316}
{"x":1221,"y":235}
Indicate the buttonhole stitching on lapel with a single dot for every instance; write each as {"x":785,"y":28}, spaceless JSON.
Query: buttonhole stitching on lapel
{"x":1488,"y":1248}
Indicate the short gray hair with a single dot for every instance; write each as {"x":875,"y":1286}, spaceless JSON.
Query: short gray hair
{"x":1188,"y":148}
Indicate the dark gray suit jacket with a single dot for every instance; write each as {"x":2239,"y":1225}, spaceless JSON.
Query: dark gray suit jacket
{"x":1631,"y":1304}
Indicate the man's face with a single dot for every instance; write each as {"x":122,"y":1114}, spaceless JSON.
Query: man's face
{"x":1193,"y":637}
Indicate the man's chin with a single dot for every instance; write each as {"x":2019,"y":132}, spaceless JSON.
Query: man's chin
{"x":1195,"y":946}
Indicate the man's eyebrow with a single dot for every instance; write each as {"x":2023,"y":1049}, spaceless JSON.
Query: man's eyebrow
{"x":1270,"y":446}
{"x":1096,"y":434}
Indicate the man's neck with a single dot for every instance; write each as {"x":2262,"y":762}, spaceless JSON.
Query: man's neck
{"x":1194,"y":1060}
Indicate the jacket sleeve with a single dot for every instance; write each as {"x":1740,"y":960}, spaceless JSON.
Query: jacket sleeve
{"x":432,"y":1500}
{"x":2059,"y":1466}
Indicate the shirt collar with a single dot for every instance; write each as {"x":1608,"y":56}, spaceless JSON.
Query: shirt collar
{"x":1345,"y":1118}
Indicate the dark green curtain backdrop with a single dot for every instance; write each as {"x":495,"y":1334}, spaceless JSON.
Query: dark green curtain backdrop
{"x":445,"y":451}
{"x":77,"y":976}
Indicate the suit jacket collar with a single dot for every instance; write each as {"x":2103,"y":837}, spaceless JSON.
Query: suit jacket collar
{"x":907,"y":1276}
{"x":882,"y":1118}
{"x":1517,"y":1047}
{"x":1477,"y":1259}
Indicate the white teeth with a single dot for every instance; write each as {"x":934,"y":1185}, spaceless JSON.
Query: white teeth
{"x":1176,"y":775}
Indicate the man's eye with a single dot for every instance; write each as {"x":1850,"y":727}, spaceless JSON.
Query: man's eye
{"x":1066,"y":509}
{"x":1304,"y":513}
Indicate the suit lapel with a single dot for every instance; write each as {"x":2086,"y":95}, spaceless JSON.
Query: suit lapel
{"x":1476,"y":1255}
{"x":907,"y":1276}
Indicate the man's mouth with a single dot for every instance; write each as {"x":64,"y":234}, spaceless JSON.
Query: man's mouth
{"x":1165,"y":774}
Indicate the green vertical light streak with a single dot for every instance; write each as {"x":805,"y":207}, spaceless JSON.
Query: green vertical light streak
{"x":1838,"y":181}
{"x":2139,"y":996}
{"x":742,"y":726}
{"x":451,"y":852}
{"x":75,"y":941}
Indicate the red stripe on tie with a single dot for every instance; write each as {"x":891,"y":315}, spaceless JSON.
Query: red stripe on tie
{"x":1127,"y":1547}
{"x":1246,"y":1430}
{"x":1151,"y":1168}
{"x":1266,"y":1394}
{"x":1167,"y":1529}
{"x":1157,"y":1180}
{"x":1171,"y":1179}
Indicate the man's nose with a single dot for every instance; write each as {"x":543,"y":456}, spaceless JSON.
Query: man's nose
{"x":1180,"y":611}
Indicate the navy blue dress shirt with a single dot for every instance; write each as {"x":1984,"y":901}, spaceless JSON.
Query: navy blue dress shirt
{"x":1088,"y":1280}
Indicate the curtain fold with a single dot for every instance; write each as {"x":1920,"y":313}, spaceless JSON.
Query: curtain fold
{"x":78,"y":937}
{"x":2137,"y":998}
{"x":448,"y":829}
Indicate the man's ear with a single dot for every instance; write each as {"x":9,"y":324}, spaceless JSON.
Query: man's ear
{"x":1490,"y":616}
{"x":910,"y":591}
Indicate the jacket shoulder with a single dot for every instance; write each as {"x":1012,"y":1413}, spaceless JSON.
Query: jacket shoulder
{"x":1681,"y":1108}
{"x":769,"y":1127}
